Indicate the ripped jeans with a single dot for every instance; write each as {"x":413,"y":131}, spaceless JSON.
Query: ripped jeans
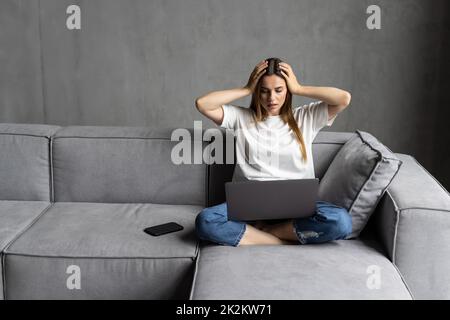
{"x":330,"y":222}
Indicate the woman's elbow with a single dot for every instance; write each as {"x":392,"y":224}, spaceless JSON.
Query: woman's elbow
{"x":198,"y":103}
{"x":347,"y":98}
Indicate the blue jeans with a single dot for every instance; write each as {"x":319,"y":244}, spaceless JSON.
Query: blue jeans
{"x":330,"y":222}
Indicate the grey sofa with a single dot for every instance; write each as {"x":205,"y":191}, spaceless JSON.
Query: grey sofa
{"x":74,"y":202}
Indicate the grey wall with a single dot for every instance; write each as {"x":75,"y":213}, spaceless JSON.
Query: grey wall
{"x":143,"y":62}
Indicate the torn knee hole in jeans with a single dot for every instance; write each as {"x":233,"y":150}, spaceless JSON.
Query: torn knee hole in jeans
{"x":308,"y":234}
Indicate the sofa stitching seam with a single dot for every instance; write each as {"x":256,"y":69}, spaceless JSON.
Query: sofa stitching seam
{"x":404,"y":282}
{"x":14,"y":239}
{"x":24,"y":135}
{"x":118,"y":138}
{"x":394,"y":242}
{"x":428,"y":173}
{"x":364,"y":185}
{"x":333,"y":143}
{"x":397,"y":218}
{"x":424,"y":208}
{"x":92,"y":257}
{"x":52,"y":183}
{"x":385,"y":189}
{"x":3,"y":262}
{"x":197,"y":260}
{"x":368,"y":144}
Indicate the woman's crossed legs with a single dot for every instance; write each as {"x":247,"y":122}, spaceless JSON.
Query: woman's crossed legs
{"x":329,"y":223}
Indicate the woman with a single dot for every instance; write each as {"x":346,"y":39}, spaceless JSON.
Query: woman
{"x":272,"y":84}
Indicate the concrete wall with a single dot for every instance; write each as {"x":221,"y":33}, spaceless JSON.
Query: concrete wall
{"x":20,"y":63}
{"x":143,"y":62}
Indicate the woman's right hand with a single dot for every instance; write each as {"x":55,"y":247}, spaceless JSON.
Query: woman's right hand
{"x":259,"y":70}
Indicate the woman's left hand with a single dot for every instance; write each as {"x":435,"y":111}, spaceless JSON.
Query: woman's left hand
{"x":289,"y":76}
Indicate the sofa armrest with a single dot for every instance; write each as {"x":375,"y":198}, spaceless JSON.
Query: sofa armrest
{"x":413,"y":222}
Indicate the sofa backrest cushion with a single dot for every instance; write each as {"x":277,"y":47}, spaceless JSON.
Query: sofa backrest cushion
{"x":124,"y":164}
{"x":25,"y":161}
{"x":325,"y":147}
{"x":358,"y":177}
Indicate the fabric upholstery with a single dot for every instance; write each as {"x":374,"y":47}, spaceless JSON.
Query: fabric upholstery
{"x":116,"y":258}
{"x":413,"y":222}
{"x":132,"y":278}
{"x":109,"y":183}
{"x":358,"y":177}
{"x":334,"y":270}
{"x":124,"y":165}
{"x":15,"y":217}
{"x":325,"y":147}
{"x":25,"y":161}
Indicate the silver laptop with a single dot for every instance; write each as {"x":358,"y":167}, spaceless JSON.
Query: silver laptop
{"x":269,"y":200}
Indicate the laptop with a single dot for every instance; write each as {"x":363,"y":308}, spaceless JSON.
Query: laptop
{"x":274,"y":199}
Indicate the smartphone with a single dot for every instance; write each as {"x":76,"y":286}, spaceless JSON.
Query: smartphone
{"x":163,"y":229}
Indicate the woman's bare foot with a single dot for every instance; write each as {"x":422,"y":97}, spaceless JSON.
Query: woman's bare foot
{"x":284,"y":230}
{"x":254,"y":236}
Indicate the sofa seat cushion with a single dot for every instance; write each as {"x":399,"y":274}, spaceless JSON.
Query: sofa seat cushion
{"x":15,"y":217}
{"x":335,"y":270}
{"x":108,"y":248}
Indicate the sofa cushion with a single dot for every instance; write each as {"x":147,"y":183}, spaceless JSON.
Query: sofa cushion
{"x":358,"y":177}
{"x":15,"y":217}
{"x":124,"y":165}
{"x":25,"y":161}
{"x":325,"y":147}
{"x":345,"y":269}
{"x":116,"y":259}
{"x":413,"y":221}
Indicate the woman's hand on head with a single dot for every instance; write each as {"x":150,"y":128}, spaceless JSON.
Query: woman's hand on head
{"x":289,"y":76}
{"x":257,"y":73}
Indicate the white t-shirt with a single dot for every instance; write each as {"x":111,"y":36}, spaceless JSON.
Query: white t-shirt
{"x":268,"y":150}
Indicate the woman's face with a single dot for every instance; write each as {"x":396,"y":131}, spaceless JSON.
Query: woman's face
{"x":273,"y":93}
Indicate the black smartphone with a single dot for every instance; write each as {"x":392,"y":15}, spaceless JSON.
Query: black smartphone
{"x":163,"y":229}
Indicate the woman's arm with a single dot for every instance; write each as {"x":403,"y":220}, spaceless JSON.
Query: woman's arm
{"x":337,"y":99}
{"x":215,"y":99}
{"x":332,"y":96}
{"x":210,"y":105}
